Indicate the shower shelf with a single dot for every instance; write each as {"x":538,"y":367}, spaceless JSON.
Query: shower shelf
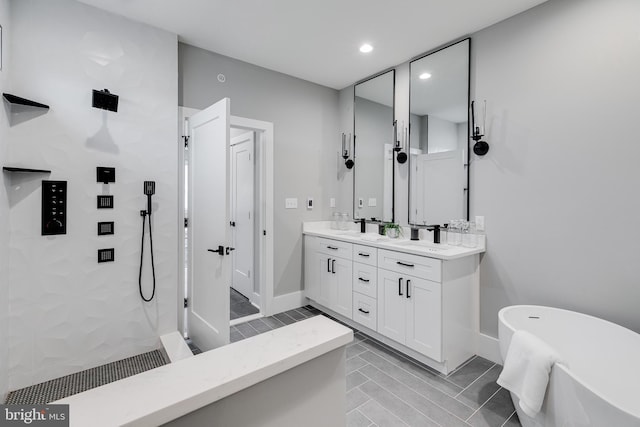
{"x":16,"y":100}
{"x":23,"y":170}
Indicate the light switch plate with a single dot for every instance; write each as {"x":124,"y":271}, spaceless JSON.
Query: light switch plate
{"x":332,"y":202}
{"x":479,"y":223}
{"x":373,"y":202}
{"x":310,"y":203}
{"x":291,"y":203}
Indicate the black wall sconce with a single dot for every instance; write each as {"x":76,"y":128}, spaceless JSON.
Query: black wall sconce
{"x":480,"y":147}
{"x":105,"y":100}
{"x":398,"y":144}
{"x":346,"y":145}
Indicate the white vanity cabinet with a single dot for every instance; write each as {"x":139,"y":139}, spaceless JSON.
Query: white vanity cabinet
{"x":409,"y":311}
{"x":328,"y":274}
{"x":420,"y":305}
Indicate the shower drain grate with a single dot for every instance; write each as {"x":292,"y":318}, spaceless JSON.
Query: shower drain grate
{"x":60,"y":388}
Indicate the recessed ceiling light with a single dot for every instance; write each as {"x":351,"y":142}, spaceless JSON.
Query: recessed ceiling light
{"x":366,"y":48}
{"x":425,"y":76}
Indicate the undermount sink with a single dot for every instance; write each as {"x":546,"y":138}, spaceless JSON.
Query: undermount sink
{"x":423,"y":245}
{"x":347,"y":233}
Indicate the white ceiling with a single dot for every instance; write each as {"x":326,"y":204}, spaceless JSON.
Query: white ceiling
{"x":318,"y":40}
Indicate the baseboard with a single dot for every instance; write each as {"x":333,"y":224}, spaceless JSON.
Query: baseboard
{"x":287,"y":302}
{"x":489,"y":348}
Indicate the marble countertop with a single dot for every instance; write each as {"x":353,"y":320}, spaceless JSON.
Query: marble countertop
{"x":405,"y":245}
{"x":163,"y":394}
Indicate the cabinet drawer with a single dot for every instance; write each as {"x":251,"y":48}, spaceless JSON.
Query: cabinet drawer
{"x":414,"y":265}
{"x":365,"y":254}
{"x":364,"y":310}
{"x":335,"y":248}
{"x":365,"y":279}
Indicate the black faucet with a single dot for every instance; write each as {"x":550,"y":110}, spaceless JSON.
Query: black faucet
{"x":363,"y":225}
{"x":436,"y":232}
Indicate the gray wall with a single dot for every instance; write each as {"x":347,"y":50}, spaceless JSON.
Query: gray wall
{"x":4,"y":209}
{"x":67,"y":312}
{"x":305,"y":118}
{"x":559,"y":187}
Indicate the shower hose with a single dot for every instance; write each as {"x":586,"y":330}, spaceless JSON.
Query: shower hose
{"x":153,"y":269}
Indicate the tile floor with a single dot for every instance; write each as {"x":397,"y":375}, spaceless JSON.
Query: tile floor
{"x":240,"y":305}
{"x":385,"y":388}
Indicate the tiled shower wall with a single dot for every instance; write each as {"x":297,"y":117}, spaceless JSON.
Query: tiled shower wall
{"x":67,"y":312}
{"x":4,"y":211}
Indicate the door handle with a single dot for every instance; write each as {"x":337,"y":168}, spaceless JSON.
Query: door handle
{"x":232,"y":223}
{"x":328,"y":265}
{"x":230,"y":249}
{"x":333,"y":248}
{"x":363,"y":311}
{"x":219,"y":251}
{"x":363,"y":280}
{"x":363,"y":254}
{"x":400,"y":286}
{"x":408,"y":283}
{"x":333,"y":266}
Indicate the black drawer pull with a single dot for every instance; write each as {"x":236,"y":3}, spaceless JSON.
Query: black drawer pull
{"x":408,"y":283}
{"x":406,"y":265}
{"x":400,"y":286}
{"x":363,"y":280}
{"x":333,"y":266}
{"x":363,"y":254}
{"x":328,"y":265}
{"x":363,"y":311}
{"x":333,"y":248}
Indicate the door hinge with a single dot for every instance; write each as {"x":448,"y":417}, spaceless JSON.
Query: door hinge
{"x":264,"y":232}
{"x":186,"y":301}
{"x":186,"y":222}
{"x":186,"y":141}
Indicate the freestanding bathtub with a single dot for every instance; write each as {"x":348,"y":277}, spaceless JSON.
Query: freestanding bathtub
{"x":598,"y":383}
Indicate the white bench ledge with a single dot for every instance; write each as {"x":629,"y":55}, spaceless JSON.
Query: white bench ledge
{"x":175,"y":346}
{"x":163,"y":394}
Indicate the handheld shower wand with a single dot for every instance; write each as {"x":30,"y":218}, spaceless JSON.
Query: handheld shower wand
{"x":149,"y":190}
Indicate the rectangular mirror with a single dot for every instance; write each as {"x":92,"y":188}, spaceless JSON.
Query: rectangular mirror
{"x":373,"y":115}
{"x":439,"y":136}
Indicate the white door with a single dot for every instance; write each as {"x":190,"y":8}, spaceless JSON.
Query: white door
{"x":242,"y":213}
{"x":210,"y":272}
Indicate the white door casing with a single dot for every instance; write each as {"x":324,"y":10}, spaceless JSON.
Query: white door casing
{"x":210,"y":272}
{"x":243,"y":213}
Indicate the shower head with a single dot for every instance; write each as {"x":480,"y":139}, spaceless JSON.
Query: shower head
{"x":149,"y":188}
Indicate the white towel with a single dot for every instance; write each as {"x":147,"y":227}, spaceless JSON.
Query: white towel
{"x":526,"y":370}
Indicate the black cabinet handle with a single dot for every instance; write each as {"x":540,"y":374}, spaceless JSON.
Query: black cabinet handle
{"x":408,"y":283}
{"x":406,"y":265}
{"x":333,"y":266}
{"x":232,"y":223}
{"x":363,"y":311}
{"x":219,"y":251}
{"x":333,"y":248}
{"x":400,"y":286}
{"x":363,"y":280}
{"x":328,"y":265}
{"x":363,"y":254}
